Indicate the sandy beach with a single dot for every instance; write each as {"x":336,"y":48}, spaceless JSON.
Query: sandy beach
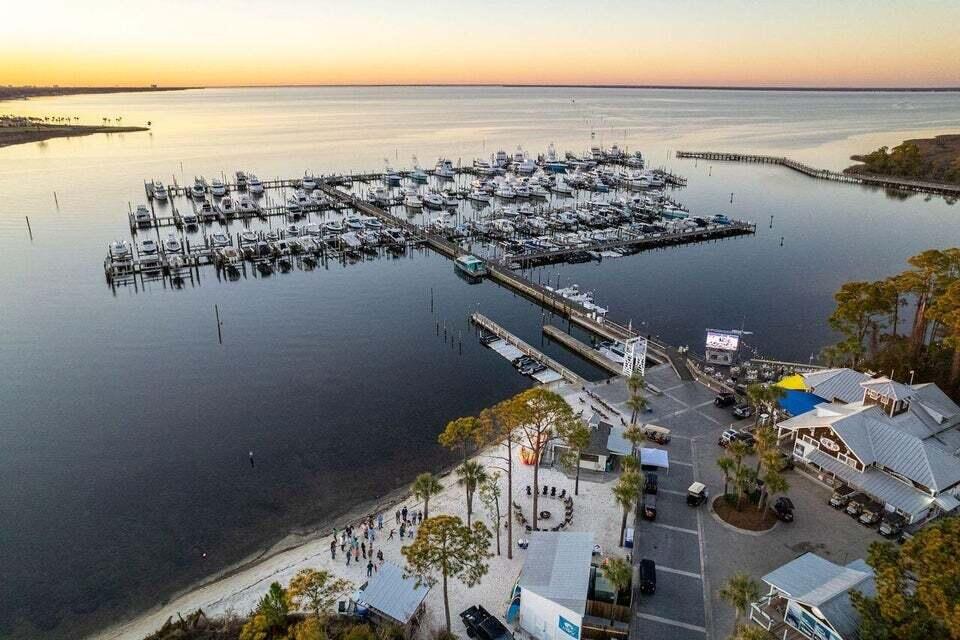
{"x":239,"y":590}
{"x":10,"y":136}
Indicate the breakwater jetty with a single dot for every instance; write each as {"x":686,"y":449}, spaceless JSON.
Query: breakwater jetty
{"x":887,"y":182}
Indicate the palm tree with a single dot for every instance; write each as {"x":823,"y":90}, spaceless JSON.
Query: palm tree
{"x":773,"y":483}
{"x":766,"y":444}
{"x":636,"y":404}
{"x":740,"y":591}
{"x":752,"y":632}
{"x":635,"y":435}
{"x":756,"y":396}
{"x":743,"y":477}
{"x":618,"y":572}
{"x":626,"y":492}
{"x":471,"y":475}
{"x":425,"y":486}
{"x":726,"y":465}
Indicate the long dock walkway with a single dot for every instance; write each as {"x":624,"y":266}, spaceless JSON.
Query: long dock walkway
{"x":583,"y":350}
{"x":489,"y":325}
{"x":656,"y":350}
{"x":904,"y":184}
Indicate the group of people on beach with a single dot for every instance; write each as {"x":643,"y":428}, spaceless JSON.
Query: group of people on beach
{"x":357,"y":541}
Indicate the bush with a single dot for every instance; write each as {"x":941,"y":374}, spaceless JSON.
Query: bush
{"x":359,"y":632}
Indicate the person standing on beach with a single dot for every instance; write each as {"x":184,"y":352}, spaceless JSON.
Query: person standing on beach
{"x":403,"y":528}
{"x":363,"y":548}
{"x":380,"y":556}
{"x":392,"y":531}
{"x":348,"y":558}
{"x":419,"y":517}
{"x":369,"y":568}
{"x":333,"y":549}
{"x":398,"y":516}
{"x":380,"y":521}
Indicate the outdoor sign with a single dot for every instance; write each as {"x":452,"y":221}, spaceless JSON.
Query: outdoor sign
{"x":829,"y":444}
{"x":568,"y":627}
{"x":803,"y":621}
{"x":722,"y":340}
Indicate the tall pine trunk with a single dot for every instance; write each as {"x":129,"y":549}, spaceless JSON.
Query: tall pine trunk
{"x":510,"y":497}
{"x":446,"y":601}
{"x":576,"y":482}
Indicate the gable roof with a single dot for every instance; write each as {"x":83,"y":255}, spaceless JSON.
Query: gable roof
{"x":836,"y":384}
{"x":393,"y":594}
{"x":817,"y":582}
{"x":936,"y":403}
{"x":557,"y":567}
{"x":889,"y":388}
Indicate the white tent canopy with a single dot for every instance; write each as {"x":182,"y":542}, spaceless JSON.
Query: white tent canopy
{"x":654,"y":458}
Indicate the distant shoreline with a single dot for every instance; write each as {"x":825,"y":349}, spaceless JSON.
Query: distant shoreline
{"x":24,"y":93}
{"x":10,"y":136}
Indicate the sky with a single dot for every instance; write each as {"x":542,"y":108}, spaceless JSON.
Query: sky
{"x":848,"y":43}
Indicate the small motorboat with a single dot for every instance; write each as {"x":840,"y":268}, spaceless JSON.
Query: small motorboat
{"x":433,"y":201}
{"x":292,"y":230}
{"x":220,"y":239}
{"x":148,"y":247}
{"x":332,"y":227}
{"x":248,"y":237}
{"x":199,"y":188}
{"x":142,"y":216}
{"x":159,"y":191}
{"x":227,"y":206}
{"x":272,"y":236}
{"x":353,"y":223}
{"x":119,"y":250}
{"x":254,"y":185}
{"x":217,"y":188}
{"x":372,"y":223}
{"x":309,"y":183}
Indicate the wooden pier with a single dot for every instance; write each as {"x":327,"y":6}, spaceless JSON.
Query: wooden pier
{"x":887,"y":182}
{"x":583,"y":350}
{"x":492,"y":327}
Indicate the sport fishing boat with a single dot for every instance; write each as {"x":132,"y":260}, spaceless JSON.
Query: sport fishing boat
{"x":227,"y":206}
{"x":159,"y":191}
{"x":254,"y":185}
{"x":391,"y":177}
{"x":478,"y":196}
{"x":119,"y":251}
{"x":217,"y":187}
{"x":199,"y":188}
{"x":412,"y":200}
{"x":172,"y":244}
{"x":444,"y":169}
{"x":219,"y":239}
{"x":418,"y":174}
{"x":241,"y":180}
{"x":433,"y":200}
{"x":308,"y":183}
{"x":189,"y":218}
{"x":142,"y":216}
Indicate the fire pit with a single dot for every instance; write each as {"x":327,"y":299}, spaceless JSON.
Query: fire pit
{"x":545,"y":515}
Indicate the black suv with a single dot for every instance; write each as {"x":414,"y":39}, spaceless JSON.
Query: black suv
{"x":650,"y":485}
{"x":480,"y":624}
{"x":725,"y":399}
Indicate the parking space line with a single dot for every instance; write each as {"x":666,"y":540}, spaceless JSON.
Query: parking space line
{"x":705,"y":579}
{"x":682,"y":464}
{"x":673,"y":623}
{"x":673,"y":528}
{"x":673,"y":493}
{"x":689,"y":574}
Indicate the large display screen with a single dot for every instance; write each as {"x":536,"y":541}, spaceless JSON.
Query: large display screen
{"x":722,"y":340}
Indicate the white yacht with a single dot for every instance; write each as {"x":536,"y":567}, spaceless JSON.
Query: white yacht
{"x":119,"y":250}
{"x":372,"y":223}
{"x":241,"y":180}
{"x":142,"y":216}
{"x":505,"y":191}
{"x":199,"y":188}
{"x":354,"y":223}
{"x":148,"y":247}
{"x":537,"y":190}
{"x":418,"y":174}
{"x":189,"y":218}
{"x":478,"y":196}
{"x":433,"y":200}
{"x":444,"y":169}
{"x":412,"y":200}
{"x":292,"y":230}
{"x":159,"y":191}
{"x":293,"y":206}
{"x":227,"y":206}
{"x":207,"y":212}
{"x":309,"y":183}
{"x":248,"y":237}
{"x":172,"y":244}
{"x":254,"y":185}
{"x":217,"y":187}
{"x":450,"y":199}
{"x":220,"y":239}
{"x":246,"y":206}
{"x":334,"y":226}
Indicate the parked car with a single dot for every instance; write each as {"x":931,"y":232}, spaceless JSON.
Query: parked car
{"x":871,"y":514}
{"x":783,"y":507}
{"x":696,"y":494}
{"x":748,"y":438}
{"x":727,"y":436}
{"x":841,"y":496}
{"x":649,"y":511}
{"x":892,"y":525}
{"x":855,"y":505}
{"x":650,"y":484}
{"x":481,"y":624}
{"x":743,"y":411}
{"x":648,"y":576}
{"x":725,"y":399}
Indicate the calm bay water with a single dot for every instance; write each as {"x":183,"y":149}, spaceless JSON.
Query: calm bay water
{"x":125,"y":427}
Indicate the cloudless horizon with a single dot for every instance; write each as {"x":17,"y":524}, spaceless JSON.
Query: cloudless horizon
{"x":778,"y":44}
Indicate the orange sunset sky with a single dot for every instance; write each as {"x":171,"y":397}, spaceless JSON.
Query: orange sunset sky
{"x":855,"y":43}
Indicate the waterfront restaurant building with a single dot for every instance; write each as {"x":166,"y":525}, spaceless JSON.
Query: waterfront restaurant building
{"x":554,"y":585}
{"x":809,"y":597}
{"x":896,"y":443}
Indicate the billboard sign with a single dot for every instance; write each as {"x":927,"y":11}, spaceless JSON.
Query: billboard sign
{"x":722,"y":340}
{"x":568,"y":627}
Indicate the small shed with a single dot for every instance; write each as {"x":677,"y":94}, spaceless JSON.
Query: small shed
{"x":391,"y":597}
{"x":554,"y":585}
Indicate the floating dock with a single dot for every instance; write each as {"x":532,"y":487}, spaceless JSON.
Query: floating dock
{"x":903,"y":184}
{"x":492,"y":327}
{"x":582,"y":349}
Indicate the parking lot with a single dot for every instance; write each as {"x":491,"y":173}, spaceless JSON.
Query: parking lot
{"x":696,"y":553}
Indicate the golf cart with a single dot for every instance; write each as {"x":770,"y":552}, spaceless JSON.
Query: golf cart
{"x":841,"y":496}
{"x":892,"y":525}
{"x":660,"y":435}
{"x":855,"y":506}
{"x":696,"y":494}
{"x":725,"y":399}
{"x":872,"y":512}
{"x":783,"y":507}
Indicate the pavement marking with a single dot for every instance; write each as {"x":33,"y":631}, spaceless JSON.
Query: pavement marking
{"x":689,"y":574}
{"x":674,"y":493}
{"x":682,"y":464}
{"x":673,"y":623}
{"x":705,"y":579}
{"x":673,"y":528}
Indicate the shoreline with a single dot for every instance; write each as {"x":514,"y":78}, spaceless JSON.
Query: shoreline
{"x":12,"y":136}
{"x":25,"y":93}
{"x":290,"y":542}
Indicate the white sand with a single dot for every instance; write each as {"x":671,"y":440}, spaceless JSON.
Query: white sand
{"x":594,"y":511}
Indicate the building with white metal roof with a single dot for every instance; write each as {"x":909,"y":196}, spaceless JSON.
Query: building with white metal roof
{"x":391,"y":596}
{"x":812,"y":595}
{"x":554,"y":584}
{"x":893,"y":443}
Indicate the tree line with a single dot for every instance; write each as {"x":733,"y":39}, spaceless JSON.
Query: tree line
{"x":909,"y":322}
